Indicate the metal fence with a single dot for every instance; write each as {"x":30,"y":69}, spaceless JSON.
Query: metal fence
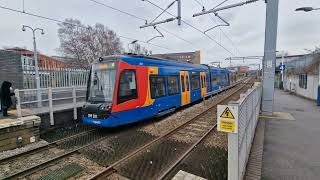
{"x":239,"y":144}
{"x":54,"y":78}
{"x":51,"y":100}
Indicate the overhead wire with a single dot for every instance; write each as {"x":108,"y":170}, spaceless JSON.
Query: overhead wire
{"x":226,"y":35}
{"x":212,"y":19}
{"x":129,"y":14}
{"x":197,"y":29}
{"x":140,"y":18}
{"x":59,"y":21}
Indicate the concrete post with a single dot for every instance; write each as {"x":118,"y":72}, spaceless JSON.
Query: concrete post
{"x":233,"y":156}
{"x":50,"y":106}
{"x":35,"y":56}
{"x":74,"y":97}
{"x":318,"y":99}
{"x":18,"y":104}
{"x":269,"y":56}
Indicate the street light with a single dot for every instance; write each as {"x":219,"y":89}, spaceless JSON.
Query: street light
{"x":307,"y":9}
{"x":35,"y":56}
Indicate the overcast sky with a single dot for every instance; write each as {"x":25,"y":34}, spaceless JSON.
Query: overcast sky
{"x":245,"y":37}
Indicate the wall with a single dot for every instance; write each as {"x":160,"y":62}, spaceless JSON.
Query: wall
{"x":61,"y":119}
{"x":312,"y":86}
{"x":11,"y":68}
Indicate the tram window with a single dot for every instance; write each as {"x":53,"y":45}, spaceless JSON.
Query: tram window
{"x":173,"y":87}
{"x":303,"y":81}
{"x":127,"y":86}
{"x":182,"y":84}
{"x":195,"y":82}
{"x":215,"y":80}
{"x":188,"y":84}
{"x":157,"y":86}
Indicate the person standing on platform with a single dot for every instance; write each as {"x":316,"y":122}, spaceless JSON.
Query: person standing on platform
{"x":5,"y":95}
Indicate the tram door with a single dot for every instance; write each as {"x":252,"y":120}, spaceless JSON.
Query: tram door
{"x":203,"y":84}
{"x":185,"y":87}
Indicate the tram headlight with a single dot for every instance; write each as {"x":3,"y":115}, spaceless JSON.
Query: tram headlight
{"x":104,"y":107}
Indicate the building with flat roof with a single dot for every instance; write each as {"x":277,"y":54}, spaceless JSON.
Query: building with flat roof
{"x":44,"y":61}
{"x":17,"y":66}
{"x":191,"y":57}
{"x":301,"y":75}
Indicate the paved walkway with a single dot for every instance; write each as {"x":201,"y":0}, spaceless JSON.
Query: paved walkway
{"x":292,"y":147}
{"x":254,"y":165}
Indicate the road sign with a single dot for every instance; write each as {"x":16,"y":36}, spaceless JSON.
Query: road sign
{"x":282,"y":67}
{"x":227,"y":118}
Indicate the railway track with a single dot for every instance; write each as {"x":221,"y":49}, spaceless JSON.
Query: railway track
{"x":64,"y":143}
{"x":189,"y":127}
{"x":150,"y":157}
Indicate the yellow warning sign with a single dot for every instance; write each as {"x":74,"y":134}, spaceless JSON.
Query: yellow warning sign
{"x":227,"y":125}
{"x":227,"y":114}
{"x":227,"y":120}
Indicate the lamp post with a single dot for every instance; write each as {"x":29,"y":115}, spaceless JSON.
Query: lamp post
{"x":35,"y":56}
{"x":308,"y":9}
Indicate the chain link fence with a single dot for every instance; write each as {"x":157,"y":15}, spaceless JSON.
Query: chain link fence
{"x":239,"y":144}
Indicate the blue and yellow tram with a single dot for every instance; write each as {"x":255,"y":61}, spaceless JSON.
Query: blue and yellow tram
{"x":128,"y":89}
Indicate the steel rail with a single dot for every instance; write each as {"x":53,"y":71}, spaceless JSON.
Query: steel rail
{"x":45,"y":164}
{"x":110,"y":169}
{"x":185,"y":154}
{"x":43,"y":147}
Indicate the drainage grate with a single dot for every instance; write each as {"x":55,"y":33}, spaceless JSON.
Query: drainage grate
{"x":63,"y":173}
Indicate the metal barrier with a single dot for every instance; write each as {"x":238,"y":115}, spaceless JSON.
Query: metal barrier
{"x":55,"y":77}
{"x":239,"y":144}
{"x":52,"y":100}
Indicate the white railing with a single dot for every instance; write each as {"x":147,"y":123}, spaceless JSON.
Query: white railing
{"x":52,"y":100}
{"x":55,"y":77}
{"x":239,"y":144}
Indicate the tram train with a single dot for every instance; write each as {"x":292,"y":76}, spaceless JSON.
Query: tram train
{"x":129,"y":88}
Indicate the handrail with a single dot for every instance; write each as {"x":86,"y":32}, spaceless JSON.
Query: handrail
{"x":35,"y":106}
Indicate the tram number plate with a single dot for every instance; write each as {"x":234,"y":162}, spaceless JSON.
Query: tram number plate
{"x":92,"y":116}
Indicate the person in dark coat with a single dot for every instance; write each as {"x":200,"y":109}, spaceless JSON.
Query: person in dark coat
{"x":5,"y":95}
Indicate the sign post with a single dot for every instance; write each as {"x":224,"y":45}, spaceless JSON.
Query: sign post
{"x":227,"y":121}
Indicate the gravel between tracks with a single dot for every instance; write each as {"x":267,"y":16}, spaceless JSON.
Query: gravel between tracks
{"x":156,"y":158}
{"x":23,"y":162}
{"x":167,"y":124}
{"x":91,"y":167}
{"x":5,"y":154}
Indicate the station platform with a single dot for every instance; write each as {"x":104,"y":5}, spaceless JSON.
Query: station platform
{"x":17,"y":132}
{"x":286,"y":145}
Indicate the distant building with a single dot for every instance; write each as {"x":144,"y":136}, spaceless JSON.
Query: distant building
{"x":192,"y":57}
{"x":44,"y":61}
{"x":239,"y":69}
{"x":301,"y":75}
{"x":17,"y":66}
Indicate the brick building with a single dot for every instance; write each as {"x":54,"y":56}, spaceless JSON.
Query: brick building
{"x":44,"y":61}
{"x":17,"y":66}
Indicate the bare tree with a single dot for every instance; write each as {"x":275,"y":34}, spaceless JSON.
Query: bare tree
{"x":81,"y":44}
{"x":136,"y":48}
